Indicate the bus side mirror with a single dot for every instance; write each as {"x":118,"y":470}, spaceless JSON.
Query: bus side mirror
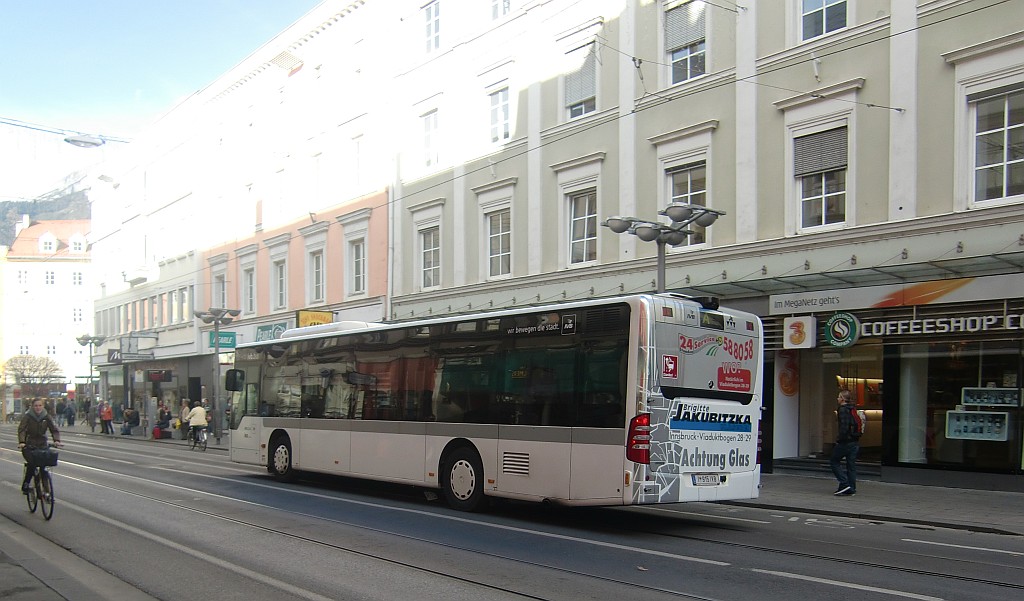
{"x":234,"y":380}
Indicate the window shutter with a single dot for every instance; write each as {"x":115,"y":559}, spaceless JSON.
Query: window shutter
{"x":684,"y":25}
{"x":823,"y":151}
{"x":582,"y":83}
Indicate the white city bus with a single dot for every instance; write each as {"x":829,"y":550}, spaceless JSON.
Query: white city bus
{"x":623,"y":401}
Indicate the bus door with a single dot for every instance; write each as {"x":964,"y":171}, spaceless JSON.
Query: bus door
{"x":243,"y":387}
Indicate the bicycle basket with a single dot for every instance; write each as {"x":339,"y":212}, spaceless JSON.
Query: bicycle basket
{"x":43,"y":458}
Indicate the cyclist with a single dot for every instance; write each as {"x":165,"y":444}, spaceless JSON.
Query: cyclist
{"x":196,"y":419}
{"x":32,"y":435}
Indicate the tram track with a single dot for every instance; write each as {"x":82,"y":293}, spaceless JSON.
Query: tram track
{"x":633,"y":585}
{"x":632,"y":528}
{"x":580,"y":520}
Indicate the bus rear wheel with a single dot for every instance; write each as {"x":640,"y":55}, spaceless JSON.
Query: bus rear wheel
{"x":463,"y":481}
{"x":279,"y":462}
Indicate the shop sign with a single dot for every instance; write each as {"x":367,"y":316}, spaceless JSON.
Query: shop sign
{"x":799,"y":332}
{"x":942,"y":325}
{"x":842,"y":330}
{"x":271,"y":332}
{"x":226,"y":340}
{"x":305,"y":318}
{"x":958,"y":290}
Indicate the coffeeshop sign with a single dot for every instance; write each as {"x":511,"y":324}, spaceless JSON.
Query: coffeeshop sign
{"x":941,"y":325}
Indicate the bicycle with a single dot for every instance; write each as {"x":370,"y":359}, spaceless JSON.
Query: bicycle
{"x":197,"y":437}
{"x":41,"y":490}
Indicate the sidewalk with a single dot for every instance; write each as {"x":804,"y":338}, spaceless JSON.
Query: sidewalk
{"x":801,"y":493}
{"x":958,"y":508}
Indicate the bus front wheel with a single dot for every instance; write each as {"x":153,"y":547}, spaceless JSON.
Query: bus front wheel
{"x":280,"y":460}
{"x":463,"y":482}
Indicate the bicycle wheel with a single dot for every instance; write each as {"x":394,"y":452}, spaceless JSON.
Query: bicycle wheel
{"x":193,"y":439}
{"x":47,"y":499}
{"x":203,"y":436}
{"x":31,"y":497}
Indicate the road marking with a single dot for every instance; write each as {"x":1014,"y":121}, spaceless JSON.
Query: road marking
{"x":244,"y":572}
{"x":860,"y":587}
{"x":432,"y":514}
{"x":928,"y":542}
{"x":708,"y":515}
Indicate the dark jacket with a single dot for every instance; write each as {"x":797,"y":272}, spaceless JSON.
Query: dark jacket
{"x":32,"y":429}
{"x":846,"y":424}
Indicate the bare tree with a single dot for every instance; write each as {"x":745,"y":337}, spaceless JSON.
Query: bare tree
{"x":35,"y":374}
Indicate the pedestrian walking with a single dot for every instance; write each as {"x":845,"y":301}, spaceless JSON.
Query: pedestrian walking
{"x":107,"y":417}
{"x":186,"y":407}
{"x":60,"y":411}
{"x":91,"y":415}
{"x":846,"y":447}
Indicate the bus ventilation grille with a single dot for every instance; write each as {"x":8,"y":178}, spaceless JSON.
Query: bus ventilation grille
{"x":516,"y":463}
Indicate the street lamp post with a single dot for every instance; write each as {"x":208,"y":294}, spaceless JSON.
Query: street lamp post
{"x":673,"y":234}
{"x":218,"y":317}
{"x":91,"y":341}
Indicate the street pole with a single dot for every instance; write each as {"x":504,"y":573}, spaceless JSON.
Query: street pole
{"x":661,"y":264}
{"x":216,"y":383}
{"x":217,"y":317}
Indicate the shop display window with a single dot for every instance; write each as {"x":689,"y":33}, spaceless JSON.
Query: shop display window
{"x":959,"y":405}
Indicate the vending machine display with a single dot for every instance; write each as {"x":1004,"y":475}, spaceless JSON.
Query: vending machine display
{"x":977,"y":425}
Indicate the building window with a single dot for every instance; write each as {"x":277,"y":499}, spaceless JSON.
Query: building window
{"x":51,"y":278}
{"x":48,"y":246}
{"x":51,"y":350}
{"x":499,"y":115}
{"x":430,"y":257}
{"x":280,"y":279}
{"x":499,"y":243}
{"x":500,"y":8}
{"x":430,"y":157}
{"x":220,"y":291}
{"x":583,"y":227}
{"x":22,"y":276}
{"x":23,"y":350}
{"x":999,"y":146}
{"x":689,"y":184}
{"x":76,"y":278}
{"x":357,"y":253}
{"x":819,"y":163}
{"x":249,"y":290}
{"x":818,"y":17}
{"x":685,"y":41}
{"x":316,"y":276}
{"x":77,"y":246}
{"x":432,"y":20}
{"x":76,"y":315}
{"x":581,"y":83}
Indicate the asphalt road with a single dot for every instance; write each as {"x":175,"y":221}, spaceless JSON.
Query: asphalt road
{"x":167,"y":523}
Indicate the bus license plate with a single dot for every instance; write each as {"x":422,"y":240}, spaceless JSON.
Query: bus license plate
{"x":706,"y":479}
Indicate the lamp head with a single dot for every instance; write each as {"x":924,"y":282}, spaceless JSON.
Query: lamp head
{"x":619,"y":225}
{"x":648,"y":232}
{"x":706,"y":219}
{"x":678,"y":212}
{"x":676,"y":237}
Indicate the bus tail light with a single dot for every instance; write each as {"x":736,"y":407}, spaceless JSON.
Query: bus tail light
{"x":638,"y":441}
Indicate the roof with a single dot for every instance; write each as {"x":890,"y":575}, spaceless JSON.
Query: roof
{"x":26,"y":244}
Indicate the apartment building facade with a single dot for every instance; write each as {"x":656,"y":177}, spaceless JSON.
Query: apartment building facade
{"x":47,"y":289}
{"x":867,"y":157}
{"x":866,"y":154}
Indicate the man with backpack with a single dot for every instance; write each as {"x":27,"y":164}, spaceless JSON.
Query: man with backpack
{"x":847,"y":445}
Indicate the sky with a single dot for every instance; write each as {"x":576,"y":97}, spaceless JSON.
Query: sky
{"x":110,"y":67}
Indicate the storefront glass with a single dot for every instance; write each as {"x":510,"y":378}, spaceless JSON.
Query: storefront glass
{"x":959,"y":405}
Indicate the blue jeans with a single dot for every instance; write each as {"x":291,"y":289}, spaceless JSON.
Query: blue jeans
{"x":845,"y":451}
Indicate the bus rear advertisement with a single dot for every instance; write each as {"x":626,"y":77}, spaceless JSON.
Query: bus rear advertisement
{"x":628,"y":400}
